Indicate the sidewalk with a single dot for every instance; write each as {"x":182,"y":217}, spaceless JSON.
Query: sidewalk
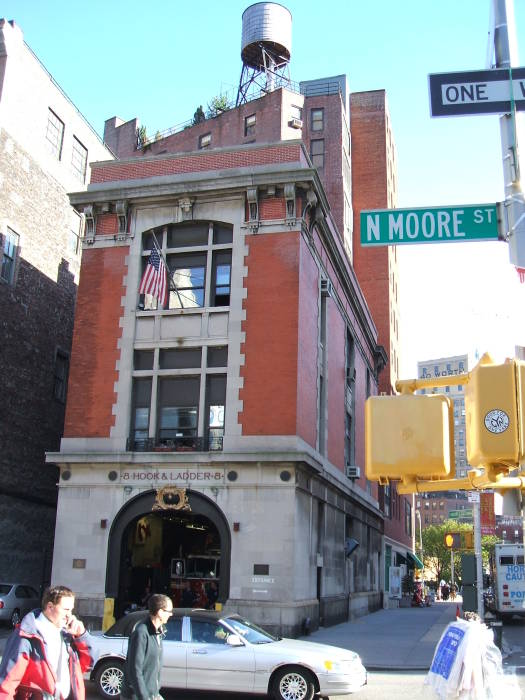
{"x":402,"y":638}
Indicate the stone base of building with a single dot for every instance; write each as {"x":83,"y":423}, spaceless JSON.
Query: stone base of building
{"x":285,"y":620}
{"x":360,"y":604}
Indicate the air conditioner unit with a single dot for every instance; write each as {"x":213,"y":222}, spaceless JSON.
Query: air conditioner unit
{"x":295,"y":123}
{"x":352,"y":472}
{"x":327,"y":289}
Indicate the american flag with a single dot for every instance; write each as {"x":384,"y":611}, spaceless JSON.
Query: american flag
{"x":154,"y":279}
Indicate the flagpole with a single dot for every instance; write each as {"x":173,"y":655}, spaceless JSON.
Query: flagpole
{"x":170,"y":287}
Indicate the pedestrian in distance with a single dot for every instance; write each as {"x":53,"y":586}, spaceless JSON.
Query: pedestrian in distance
{"x":144,"y":658}
{"x":46,"y":655}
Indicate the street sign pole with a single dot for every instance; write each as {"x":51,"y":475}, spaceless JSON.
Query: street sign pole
{"x":514,"y":201}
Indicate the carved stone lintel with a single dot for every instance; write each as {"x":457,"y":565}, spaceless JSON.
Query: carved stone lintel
{"x":171,"y":498}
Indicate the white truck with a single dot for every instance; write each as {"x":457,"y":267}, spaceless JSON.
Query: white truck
{"x":508,"y":580}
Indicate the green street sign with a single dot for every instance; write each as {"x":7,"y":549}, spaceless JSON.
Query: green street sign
{"x":472,"y":222}
{"x":459,"y":514}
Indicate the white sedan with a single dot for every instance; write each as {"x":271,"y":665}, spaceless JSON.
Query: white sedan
{"x":205,"y":650}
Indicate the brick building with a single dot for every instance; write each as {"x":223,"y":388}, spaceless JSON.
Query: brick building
{"x":45,"y":148}
{"x":220,"y":436}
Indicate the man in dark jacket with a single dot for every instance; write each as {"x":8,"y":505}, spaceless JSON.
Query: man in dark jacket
{"x":46,"y":655}
{"x":144,"y":659}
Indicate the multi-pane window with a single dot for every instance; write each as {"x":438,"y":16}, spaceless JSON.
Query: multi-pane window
{"x":205,"y":141}
{"x":317,"y":152}
{"x":60,"y":378}
{"x":183,"y":416}
{"x":9,"y":253}
{"x":79,"y":156}
{"x":54,"y":134}
{"x":198,"y":258}
{"x":249,"y":125}
{"x":317,"y":119}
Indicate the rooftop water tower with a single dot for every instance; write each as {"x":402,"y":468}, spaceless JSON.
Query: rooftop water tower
{"x":266,"y":49}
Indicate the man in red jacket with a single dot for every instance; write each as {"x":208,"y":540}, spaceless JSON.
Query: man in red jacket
{"x":47,"y":653}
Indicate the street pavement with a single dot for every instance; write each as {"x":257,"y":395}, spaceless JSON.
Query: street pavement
{"x":392,"y":639}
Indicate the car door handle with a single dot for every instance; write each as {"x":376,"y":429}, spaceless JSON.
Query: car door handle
{"x":199,"y":651}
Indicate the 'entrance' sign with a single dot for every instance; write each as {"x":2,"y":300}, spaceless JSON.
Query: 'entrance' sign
{"x":495,"y":91}
{"x":429,"y":225}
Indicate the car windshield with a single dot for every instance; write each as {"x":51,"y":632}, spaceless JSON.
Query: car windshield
{"x":249,"y":631}
{"x":5,"y":588}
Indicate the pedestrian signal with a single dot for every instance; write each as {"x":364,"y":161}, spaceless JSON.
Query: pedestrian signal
{"x":409,"y":436}
{"x":495,"y":413}
{"x":453,"y":540}
{"x":468,"y":539}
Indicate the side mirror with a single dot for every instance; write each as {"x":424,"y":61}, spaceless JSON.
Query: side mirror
{"x":234,"y":640}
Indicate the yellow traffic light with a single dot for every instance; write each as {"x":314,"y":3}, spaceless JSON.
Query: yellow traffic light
{"x":453,"y":540}
{"x":409,"y":436}
{"x":494,"y":397}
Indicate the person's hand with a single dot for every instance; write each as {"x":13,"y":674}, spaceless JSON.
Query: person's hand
{"x":75,"y":626}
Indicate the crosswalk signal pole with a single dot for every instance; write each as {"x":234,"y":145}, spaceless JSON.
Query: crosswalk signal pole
{"x":505,"y":56}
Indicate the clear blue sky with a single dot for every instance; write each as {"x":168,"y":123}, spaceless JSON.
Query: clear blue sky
{"x":159,"y":60}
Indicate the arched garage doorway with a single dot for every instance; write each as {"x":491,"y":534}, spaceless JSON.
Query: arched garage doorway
{"x":173,"y":541}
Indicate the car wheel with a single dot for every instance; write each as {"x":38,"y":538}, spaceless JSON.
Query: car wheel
{"x":15,"y":618}
{"x":108,"y":678}
{"x":293,"y":684}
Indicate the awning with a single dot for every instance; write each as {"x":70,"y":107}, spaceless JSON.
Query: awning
{"x":417,"y":561}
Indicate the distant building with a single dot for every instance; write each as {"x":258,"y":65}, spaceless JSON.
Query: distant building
{"x":449,"y":367}
{"x":45,"y":151}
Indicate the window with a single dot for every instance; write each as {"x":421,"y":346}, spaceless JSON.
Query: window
{"x":215,"y":403}
{"x":79,"y":156}
{"x":9,"y":254}
{"x":204,"y":141}
{"x":220,"y":292}
{"x":140,"y":408}
{"x":408,"y":518}
{"x":218,"y":356}
{"x":185,"y":358}
{"x":54,"y":134}
{"x":317,"y":152}
{"x":204,"y":632}
{"x":61,"y":372}
{"x":296,"y":112}
{"x":187,"y":276}
{"x":249,"y":125}
{"x":198,"y":277}
{"x":178,"y":407}
{"x":348,"y":439}
{"x":317,"y":119}
{"x":75,"y":233}
{"x":387,"y":500}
